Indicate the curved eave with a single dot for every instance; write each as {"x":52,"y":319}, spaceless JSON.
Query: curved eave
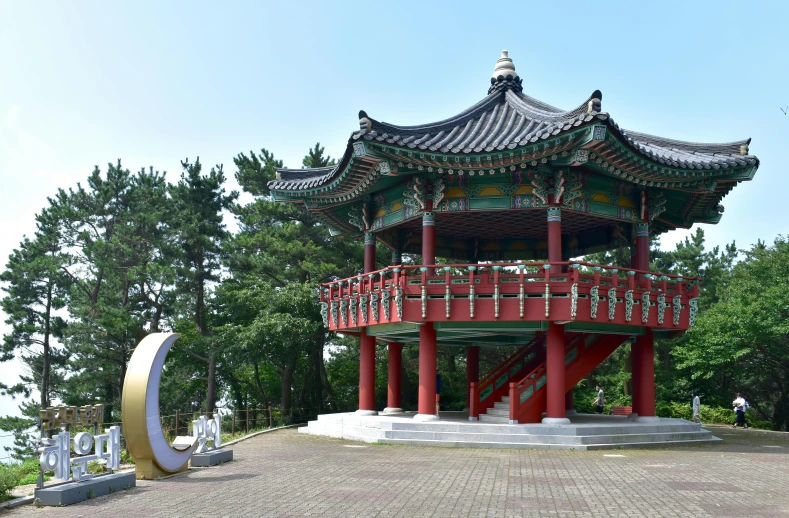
{"x":488,"y":136}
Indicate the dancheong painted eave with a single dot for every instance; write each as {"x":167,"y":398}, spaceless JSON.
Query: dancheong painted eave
{"x":509,"y":129}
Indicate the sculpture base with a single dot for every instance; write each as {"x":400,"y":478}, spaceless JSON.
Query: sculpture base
{"x":73,"y":492}
{"x":146,"y":469}
{"x":211,"y":458}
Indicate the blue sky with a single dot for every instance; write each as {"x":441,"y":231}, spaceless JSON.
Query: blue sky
{"x":152,"y":83}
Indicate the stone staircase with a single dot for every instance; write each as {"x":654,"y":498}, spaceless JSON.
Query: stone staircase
{"x":586,"y":432}
{"x":500,"y":413}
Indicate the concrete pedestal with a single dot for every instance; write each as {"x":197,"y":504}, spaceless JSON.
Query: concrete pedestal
{"x":366,"y":412}
{"x":211,"y":458}
{"x":423,"y":418}
{"x":388,"y":411}
{"x":73,"y":492}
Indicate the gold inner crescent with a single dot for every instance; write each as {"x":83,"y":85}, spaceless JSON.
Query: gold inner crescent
{"x":138,"y":426}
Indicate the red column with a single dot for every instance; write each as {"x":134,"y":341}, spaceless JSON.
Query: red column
{"x":427,"y":333}
{"x":646,"y":392}
{"x":428,"y":238}
{"x":395,"y":364}
{"x":555,"y":237}
{"x":367,"y":374}
{"x":472,"y":370}
{"x":554,"y":364}
{"x":427,"y":373}
{"x":642,"y":246}
{"x":369,"y":252}
{"x":367,"y":344}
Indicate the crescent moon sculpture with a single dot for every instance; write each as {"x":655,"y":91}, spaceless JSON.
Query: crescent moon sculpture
{"x":153,"y":456}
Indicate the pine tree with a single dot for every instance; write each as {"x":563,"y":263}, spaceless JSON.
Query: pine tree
{"x":36,"y":288}
{"x":198,"y":202}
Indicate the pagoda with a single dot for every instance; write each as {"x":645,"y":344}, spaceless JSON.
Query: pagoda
{"x":506,"y":194}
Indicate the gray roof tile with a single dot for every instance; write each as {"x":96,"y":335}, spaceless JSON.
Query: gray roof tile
{"x":509,"y":118}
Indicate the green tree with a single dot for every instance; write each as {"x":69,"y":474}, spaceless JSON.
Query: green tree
{"x":198,"y":203}
{"x":740,"y":343}
{"x":281,"y":244}
{"x":114,"y":232}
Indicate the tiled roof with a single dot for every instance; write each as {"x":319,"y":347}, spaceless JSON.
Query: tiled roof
{"x":507,"y":119}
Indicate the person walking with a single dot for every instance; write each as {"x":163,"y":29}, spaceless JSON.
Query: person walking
{"x":696,"y":408}
{"x":438,"y":390}
{"x":740,"y":406}
{"x":600,"y":401}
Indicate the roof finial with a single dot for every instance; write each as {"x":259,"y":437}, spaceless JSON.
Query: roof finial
{"x":504,"y":75}
{"x":504,"y":67}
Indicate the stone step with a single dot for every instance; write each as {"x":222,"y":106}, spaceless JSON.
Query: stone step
{"x":544,"y":439}
{"x":505,"y":399}
{"x":501,"y":405}
{"x":538,"y":446}
{"x":494,"y":418}
{"x":500,"y":424}
{"x":499,"y":411}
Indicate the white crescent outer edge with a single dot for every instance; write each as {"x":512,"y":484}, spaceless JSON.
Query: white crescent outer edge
{"x":167,"y":458}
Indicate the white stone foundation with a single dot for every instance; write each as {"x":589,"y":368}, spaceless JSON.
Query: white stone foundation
{"x":584,"y":431}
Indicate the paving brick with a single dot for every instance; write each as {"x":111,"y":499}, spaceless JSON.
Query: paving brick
{"x":286,"y":474}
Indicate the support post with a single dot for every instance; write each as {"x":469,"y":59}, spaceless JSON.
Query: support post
{"x":369,"y":252}
{"x":427,"y":373}
{"x":646,"y":406}
{"x":555,"y":238}
{"x":642,"y":247}
{"x":367,"y":344}
{"x":366,"y":374}
{"x":472,"y":370}
{"x":428,"y":238}
{"x":395,"y":367}
{"x":554,"y":364}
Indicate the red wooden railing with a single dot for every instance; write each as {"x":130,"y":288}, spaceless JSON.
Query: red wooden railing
{"x":503,"y":291}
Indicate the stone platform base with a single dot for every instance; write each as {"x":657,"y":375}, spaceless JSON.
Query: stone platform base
{"x":584,"y":432}
{"x":211,"y":458}
{"x":73,"y":492}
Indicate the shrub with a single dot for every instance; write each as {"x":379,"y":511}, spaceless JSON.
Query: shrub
{"x":9,"y":479}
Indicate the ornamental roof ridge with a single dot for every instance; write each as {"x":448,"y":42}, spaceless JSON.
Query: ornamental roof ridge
{"x":507,"y":119}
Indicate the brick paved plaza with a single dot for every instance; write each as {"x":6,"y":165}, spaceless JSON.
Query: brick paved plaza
{"x":288,"y":474}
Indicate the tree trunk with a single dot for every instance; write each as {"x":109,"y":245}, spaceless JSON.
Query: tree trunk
{"x":327,"y":386}
{"x":211,"y":389}
{"x":405,"y":387}
{"x":287,"y":384}
{"x":46,"y":356}
{"x":318,"y":367}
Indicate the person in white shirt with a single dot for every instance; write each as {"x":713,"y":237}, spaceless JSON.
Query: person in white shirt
{"x":740,"y":406}
{"x":696,"y":408}
{"x":600,"y":401}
